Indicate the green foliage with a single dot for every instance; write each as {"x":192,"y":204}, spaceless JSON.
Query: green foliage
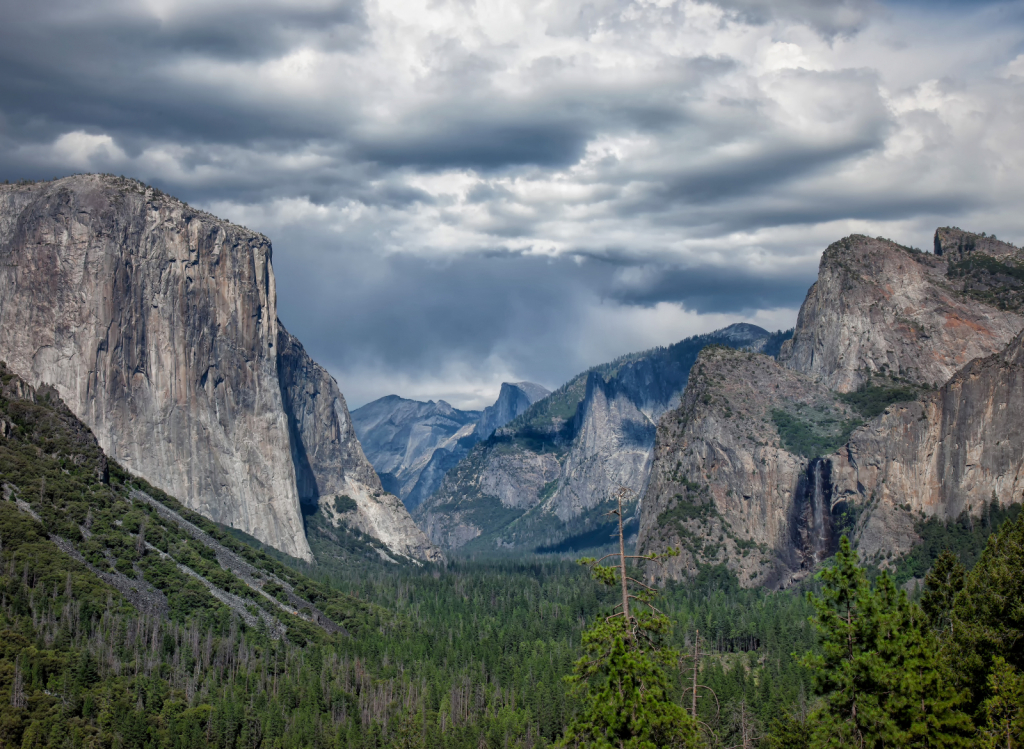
{"x":621,"y":677}
{"x":812,"y":437}
{"x":344,"y":503}
{"x":878,"y":673}
{"x":625,"y":692}
{"x":988,"y":613}
{"x":964,"y":537}
{"x":998,"y":282}
{"x":871,"y":400}
{"x":773,"y":346}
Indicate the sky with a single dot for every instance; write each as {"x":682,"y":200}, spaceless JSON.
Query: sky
{"x":466,"y":192}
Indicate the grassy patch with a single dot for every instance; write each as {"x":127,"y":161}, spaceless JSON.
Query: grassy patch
{"x":812,"y":433}
{"x":872,"y":400}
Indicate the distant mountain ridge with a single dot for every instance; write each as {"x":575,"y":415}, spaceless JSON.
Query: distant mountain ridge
{"x":545,"y":477}
{"x":413,"y":444}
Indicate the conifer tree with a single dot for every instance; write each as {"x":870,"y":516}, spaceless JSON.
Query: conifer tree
{"x":878,"y":673}
{"x":621,"y":679}
{"x":942,"y":583}
{"x":1004,"y":709}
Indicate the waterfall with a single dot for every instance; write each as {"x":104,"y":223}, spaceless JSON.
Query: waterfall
{"x":812,"y":530}
{"x":820,"y":491}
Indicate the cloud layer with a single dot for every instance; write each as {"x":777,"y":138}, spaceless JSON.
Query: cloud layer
{"x":465,"y":191}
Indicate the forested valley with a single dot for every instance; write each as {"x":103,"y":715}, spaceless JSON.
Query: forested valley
{"x":122,"y":625}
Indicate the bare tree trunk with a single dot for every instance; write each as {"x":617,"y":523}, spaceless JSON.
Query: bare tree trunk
{"x":622,"y":562}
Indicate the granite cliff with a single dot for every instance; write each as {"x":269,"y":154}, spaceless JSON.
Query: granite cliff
{"x":157,"y":325}
{"x":879,"y":308}
{"x":726,"y":488}
{"x":399,"y":436}
{"x":765,"y":464}
{"x":544,"y":480}
{"x":954,"y":450}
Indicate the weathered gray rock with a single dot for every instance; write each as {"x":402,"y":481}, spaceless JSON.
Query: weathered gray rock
{"x":157,"y":325}
{"x":723,"y":489}
{"x":400,"y":435}
{"x":328,"y":459}
{"x":888,"y":310}
{"x":414,"y":444}
{"x":723,"y":480}
{"x":513,"y":399}
{"x":955,"y":450}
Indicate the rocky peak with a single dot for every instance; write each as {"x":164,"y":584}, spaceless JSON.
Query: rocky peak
{"x":954,"y":244}
{"x":882,"y":310}
{"x":513,"y":399}
{"x":401,"y":435}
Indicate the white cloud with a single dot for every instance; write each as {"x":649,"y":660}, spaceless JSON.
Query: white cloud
{"x":736,"y":135}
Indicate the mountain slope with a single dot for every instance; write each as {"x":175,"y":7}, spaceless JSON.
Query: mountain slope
{"x":399,"y":436}
{"x":157,"y":325}
{"x":544,"y":479}
{"x":160,"y":557}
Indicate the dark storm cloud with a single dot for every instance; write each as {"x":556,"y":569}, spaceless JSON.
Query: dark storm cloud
{"x":485,"y":144}
{"x":829,"y":17}
{"x":468,"y":191}
{"x":109,"y":65}
{"x":413,"y":312}
{"x":709,"y":289}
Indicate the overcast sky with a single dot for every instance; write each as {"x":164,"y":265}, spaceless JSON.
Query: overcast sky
{"x":461,"y":192}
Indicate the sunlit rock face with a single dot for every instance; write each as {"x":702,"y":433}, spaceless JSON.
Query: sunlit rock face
{"x":723,"y":487}
{"x":954,"y":450}
{"x":157,"y":324}
{"x":880,"y":309}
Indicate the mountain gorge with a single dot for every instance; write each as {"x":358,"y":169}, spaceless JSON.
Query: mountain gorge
{"x":544,"y":480}
{"x":157,"y":325}
{"x":893,"y":402}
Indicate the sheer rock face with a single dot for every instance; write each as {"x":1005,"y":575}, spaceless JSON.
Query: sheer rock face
{"x":157,"y":325}
{"x":881,"y":308}
{"x":723,"y":489}
{"x":950,"y":452}
{"x":721,"y":479}
{"x":328,"y":458}
{"x":513,"y":399}
{"x":613,"y":447}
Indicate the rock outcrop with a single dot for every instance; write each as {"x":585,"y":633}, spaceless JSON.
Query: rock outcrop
{"x":955,"y":450}
{"x":724,"y":488}
{"x":545,"y":480}
{"x":881,"y":309}
{"x":157,"y":325}
{"x":762,"y":467}
{"x":329,"y":460}
{"x":513,"y":399}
